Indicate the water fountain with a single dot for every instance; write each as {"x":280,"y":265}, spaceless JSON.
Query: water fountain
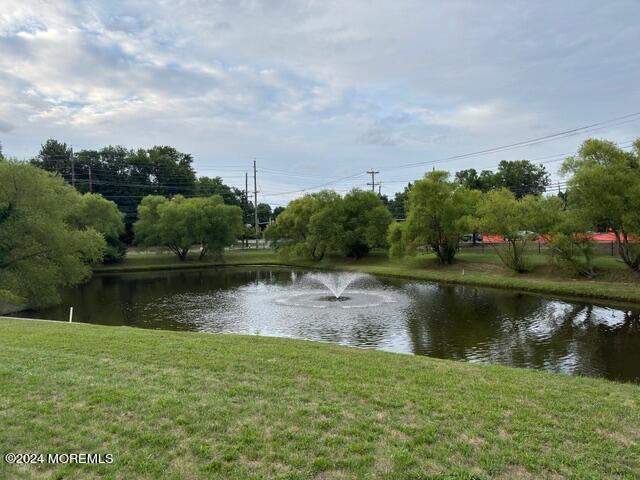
{"x":344,"y":290}
{"x":336,"y":283}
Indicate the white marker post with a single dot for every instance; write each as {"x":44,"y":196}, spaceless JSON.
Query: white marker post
{"x":70,"y":314}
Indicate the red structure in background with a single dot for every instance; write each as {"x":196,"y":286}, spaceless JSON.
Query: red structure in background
{"x":604,"y":237}
{"x":492,"y":238}
{"x":597,"y":237}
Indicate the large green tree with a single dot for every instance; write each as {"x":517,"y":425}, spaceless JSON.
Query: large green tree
{"x":264,"y":213}
{"x":55,"y":156}
{"x":605,"y":189}
{"x":208,"y":186}
{"x":95,"y":211}
{"x":120,"y":174}
{"x":472,"y":180}
{"x":398,"y":204}
{"x":44,"y":242}
{"x":440,"y":213}
{"x":570,"y":243}
{"x":180,"y":223}
{"x":521,"y":177}
{"x":220,"y":225}
{"x":291,"y":232}
{"x":325,"y":223}
{"x":366,"y":221}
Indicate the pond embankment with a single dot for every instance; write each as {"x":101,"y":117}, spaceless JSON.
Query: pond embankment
{"x":615,"y":281}
{"x":169,"y":404}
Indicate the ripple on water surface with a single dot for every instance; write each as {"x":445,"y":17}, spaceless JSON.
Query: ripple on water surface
{"x":446,"y":321}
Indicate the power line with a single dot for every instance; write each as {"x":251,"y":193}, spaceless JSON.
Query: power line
{"x":317,"y":186}
{"x":267,"y":171}
{"x":632,"y":117}
{"x":73,"y":170}
{"x":534,"y":141}
{"x":546,"y":160}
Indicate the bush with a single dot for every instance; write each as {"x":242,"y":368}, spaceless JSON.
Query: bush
{"x":513,"y":255}
{"x":573,"y":253}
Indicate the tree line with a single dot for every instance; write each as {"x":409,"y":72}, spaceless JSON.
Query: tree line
{"x":52,"y":232}
{"x":603,"y":191}
{"x":522,"y":177}
{"x":126,"y":176}
{"x":51,"y":235}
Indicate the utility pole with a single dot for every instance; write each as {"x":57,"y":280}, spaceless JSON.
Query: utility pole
{"x":90,"y":181}
{"x":73,"y":170}
{"x":246,"y":202}
{"x":379,"y":189}
{"x":246,"y":191}
{"x":373,"y":173}
{"x":255,"y":201}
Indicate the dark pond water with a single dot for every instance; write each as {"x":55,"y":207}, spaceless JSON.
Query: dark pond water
{"x":455,"y":322}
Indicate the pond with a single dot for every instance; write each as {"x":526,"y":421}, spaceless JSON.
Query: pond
{"x":415,"y":317}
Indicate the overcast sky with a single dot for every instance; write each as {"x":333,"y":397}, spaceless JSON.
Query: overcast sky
{"x":319,"y":90}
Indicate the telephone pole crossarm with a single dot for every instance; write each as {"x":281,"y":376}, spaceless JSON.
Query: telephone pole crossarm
{"x":373,"y":174}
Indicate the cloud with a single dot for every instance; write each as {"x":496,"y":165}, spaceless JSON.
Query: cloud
{"x":338,"y":84}
{"x":5,"y":127}
{"x":379,"y":136}
{"x":468,"y":116}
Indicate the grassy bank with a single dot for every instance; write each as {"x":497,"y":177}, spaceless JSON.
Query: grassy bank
{"x":614,"y":282}
{"x":185,"y":405}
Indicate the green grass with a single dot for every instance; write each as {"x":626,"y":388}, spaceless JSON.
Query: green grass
{"x":134,"y":262}
{"x":188,"y":405}
{"x":614,"y":282}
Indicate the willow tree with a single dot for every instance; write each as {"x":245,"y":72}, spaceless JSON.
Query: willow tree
{"x":44,"y":245}
{"x":439,"y":214}
{"x":519,"y":221}
{"x":95,"y":211}
{"x":219,"y":225}
{"x":291,"y":233}
{"x":325,"y":223}
{"x":180,"y":223}
{"x":605,"y":189}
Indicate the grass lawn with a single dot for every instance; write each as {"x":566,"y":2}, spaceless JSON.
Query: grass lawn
{"x":614,"y":282}
{"x":189,"y":405}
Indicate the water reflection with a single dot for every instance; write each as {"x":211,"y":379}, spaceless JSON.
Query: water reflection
{"x":455,"y":322}
{"x":525,"y":330}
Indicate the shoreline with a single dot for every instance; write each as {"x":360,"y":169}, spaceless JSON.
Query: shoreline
{"x":315,"y":342}
{"x":592,"y":290}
